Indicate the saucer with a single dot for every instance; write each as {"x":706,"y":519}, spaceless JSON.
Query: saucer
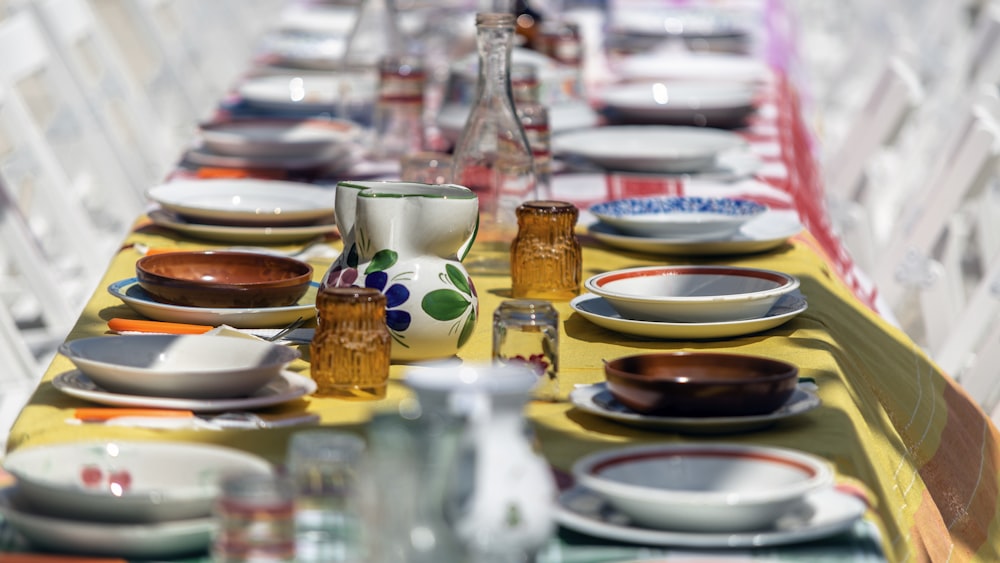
{"x":286,"y":387}
{"x":598,"y":311}
{"x":140,"y":541}
{"x":244,"y":234}
{"x":129,"y":291}
{"x":824,"y":514}
{"x":596,"y":399}
{"x":766,"y":232}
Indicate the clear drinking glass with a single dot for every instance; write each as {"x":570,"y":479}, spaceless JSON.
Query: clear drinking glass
{"x":526,"y":331}
{"x":255,"y":516}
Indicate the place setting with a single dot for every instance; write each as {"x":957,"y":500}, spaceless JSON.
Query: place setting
{"x":693,"y":225}
{"x":662,"y":150}
{"x":690,"y":302}
{"x":697,"y":392}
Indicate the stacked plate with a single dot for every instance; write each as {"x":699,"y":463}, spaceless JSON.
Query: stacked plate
{"x":707,"y":103}
{"x":244,"y":210}
{"x":690,"y":302}
{"x":119,"y":498}
{"x":665,"y":150}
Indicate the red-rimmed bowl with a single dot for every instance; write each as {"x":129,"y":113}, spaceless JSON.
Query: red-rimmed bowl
{"x":696,"y":294}
{"x":700,"y":384}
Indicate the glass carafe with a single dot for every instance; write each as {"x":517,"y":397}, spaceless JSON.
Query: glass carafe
{"x":492,"y":156}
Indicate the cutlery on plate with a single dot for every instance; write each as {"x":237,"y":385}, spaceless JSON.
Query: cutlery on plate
{"x":316,"y":248}
{"x":181,"y":419}
{"x":291,"y":334}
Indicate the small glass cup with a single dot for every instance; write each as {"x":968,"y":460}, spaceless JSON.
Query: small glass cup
{"x":255,"y":516}
{"x":426,"y":168}
{"x":327,"y":467}
{"x":526,"y":331}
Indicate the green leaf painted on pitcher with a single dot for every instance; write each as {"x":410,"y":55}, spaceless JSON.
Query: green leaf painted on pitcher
{"x":383,"y":260}
{"x":470,"y":324}
{"x":458,"y":279}
{"x":352,"y":256}
{"x":444,"y":304}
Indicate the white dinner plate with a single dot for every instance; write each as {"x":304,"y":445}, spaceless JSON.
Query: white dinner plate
{"x":162,"y":540}
{"x":597,"y":399}
{"x":563,"y":117}
{"x":772,"y":229}
{"x":288,"y":386}
{"x":234,"y":233}
{"x":307,"y":91}
{"x":716,"y":103}
{"x":129,"y":291}
{"x":246,"y":201}
{"x":597,"y":310}
{"x":700,"y":66}
{"x":649,"y":148}
{"x":332,"y":159}
{"x":823,"y":514}
{"x":277,"y":138}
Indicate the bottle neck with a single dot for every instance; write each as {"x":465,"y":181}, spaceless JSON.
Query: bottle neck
{"x":494,"y":44}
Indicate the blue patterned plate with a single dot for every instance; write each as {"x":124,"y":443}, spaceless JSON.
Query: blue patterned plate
{"x":678,"y":217}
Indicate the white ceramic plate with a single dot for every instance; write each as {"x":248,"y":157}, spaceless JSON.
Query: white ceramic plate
{"x":679,"y":217}
{"x":677,"y":21}
{"x":277,"y":138}
{"x":768,"y":231}
{"x":332,"y":159}
{"x":596,"y":399}
{"x":129,"y":291}
{"x":715,"y":103}
{"x":246,"y":201}
{"x":163,"y":540}
{"x":307,"y":92}
{"x":649,"y":148}
{"x":286,"y":387}
{"x":693,"y":66}
{"x":598,"y":311}
{"x":232,"y":233}
{"x":825,"y":513}
{"x":563,"y":117}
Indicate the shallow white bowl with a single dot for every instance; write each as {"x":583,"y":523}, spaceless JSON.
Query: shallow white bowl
{"x":179,"y":365}
{"x":678,"y":217}
{"x":703,"y":487}
{"x":716,"y":103}
{"x":245,"y":201}
{"x":694,"y":294}
{"x":277,"y":137}
{"x":125,"y":481}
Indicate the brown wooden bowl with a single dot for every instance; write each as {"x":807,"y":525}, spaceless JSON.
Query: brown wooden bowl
{"x":700,"y":384}
{"x":220,"y":279}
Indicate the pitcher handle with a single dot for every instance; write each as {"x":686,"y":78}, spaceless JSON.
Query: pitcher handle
{"x":463,"y":250}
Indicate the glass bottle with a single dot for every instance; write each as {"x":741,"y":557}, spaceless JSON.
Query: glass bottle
{"x":375,"y":34}
{"x":534,"y":116}
{"x":492,"y":156}
{"x":399,"y":110}
{"x":349,"y":355}
{"x":546,"y":259}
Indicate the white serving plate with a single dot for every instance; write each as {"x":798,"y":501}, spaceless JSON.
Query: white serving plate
{"x":160,"y":540}
{"x":188,"y":366}
{"x":246,"y":201}
{"x":596,"y":399}
{"x":691,"y":66}
{"x":597,"y":310}
{"x":649,"y":148}
{"x":703,"y":487}
{"x":766,"y":232}
{"x":129,"y":291}
{"x":331,"y":159}
{"x":286,"y":387}
{"x":678,"y":217}
{"x":277,"y":138}
{"x":824,"y":514}
{"x":307,"y":91}
{"x":692,"y":294}
{"x":716,"y":103}
{"x":234,"y":233}
{"x":126,"y":481}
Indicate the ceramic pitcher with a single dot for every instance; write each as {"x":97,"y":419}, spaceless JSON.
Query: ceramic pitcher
{"x":408,"y":240}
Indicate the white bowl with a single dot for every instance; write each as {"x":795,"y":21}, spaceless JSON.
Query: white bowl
{"x":246,"y":201}
{"x":678,"y":217}
{"x":190,"y":366}
{"x":711,"y":102}
{"x":703,"y":487}
{"x":278,"y":137}
{"x":695,"y":294}
{"x":126,"y":481}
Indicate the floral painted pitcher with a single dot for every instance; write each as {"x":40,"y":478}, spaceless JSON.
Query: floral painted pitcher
{"x":408,"y":240}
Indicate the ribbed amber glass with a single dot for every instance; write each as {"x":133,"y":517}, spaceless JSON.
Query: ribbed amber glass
{"x":349,"y":355}
{"x":546,"y":261}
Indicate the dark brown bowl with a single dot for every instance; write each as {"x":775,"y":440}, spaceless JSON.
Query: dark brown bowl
{"x":700,"y":384}
{"x":223,"y":280}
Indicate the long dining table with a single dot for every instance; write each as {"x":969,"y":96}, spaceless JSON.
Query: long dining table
{"x":901,"y":434}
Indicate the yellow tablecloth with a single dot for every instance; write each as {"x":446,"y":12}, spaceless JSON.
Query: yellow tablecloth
{"x":892,"y":424}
